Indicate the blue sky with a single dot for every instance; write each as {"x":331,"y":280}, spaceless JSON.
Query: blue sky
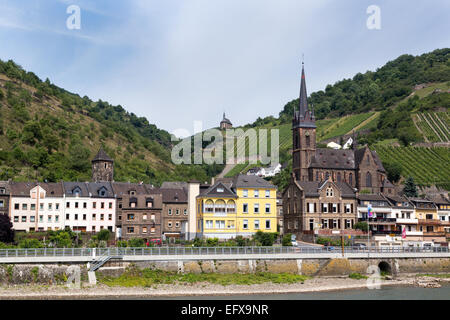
{"x":176,"y":61}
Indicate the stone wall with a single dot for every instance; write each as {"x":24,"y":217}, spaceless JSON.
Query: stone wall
{"x":58,"y":274}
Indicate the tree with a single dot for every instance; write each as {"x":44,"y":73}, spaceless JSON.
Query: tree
{"x":6,"y":229}
{"x":394,"y":171}
{"x":287,"y":240}
{"x":410,"y":188}
{"x":361,"y":226}
{"x":103,"y":235}
{"x":266,"y":239}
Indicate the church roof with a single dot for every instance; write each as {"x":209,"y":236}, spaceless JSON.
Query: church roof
{"x":225,"y":120}
{"x":303,"y":117}
{"x":102,"y":156}
{"x":333,"y":159}
{"x":312,"y":188}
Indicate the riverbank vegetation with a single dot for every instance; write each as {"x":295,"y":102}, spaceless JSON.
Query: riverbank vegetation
{"x":148,"y":277}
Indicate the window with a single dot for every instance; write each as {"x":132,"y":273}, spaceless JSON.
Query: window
{"x":2,"y":203}
{"x":49,"y":218}
{"x":169,"y":224}
{"x":329,"y":192}
{"x":76,"y":216}
{"x":130,"y":229}
{"x":33,"y":206}
{"x":144,"y":217}
{"x":102,"y":205}
{"x":219,"y":189}
{"x":84,"y":216}
{"x":152,"y":217}
{"x":32,"y":219}
{"x":267,"y":193}
{"x":311,"y":207}
{"x":49,"y":206}
{"x":110,"y":205}
{"x":130,"y":216}
{"x":24,"y":206}
{"x":185,"y":212}
{"x":41,"y":206}
{"x":16,"y":219}
{"x":220,"y":224}
{"x":256,"y":193}
{"x":256,"y":208}
{"x":94,"y":216}
{"x":67,"y":216}
{"x":311,"y":224}
{"x":267,"y":224}
{"x":16,"y":206}
{"x":76,"y":205}
{"x":334,"y":207}
{"x":177,"y":212}
{"x":348,"y":208}
{"x":56,"y":218}
{"x":348,"y":223}
{"x":152,"y":230}
{"x":94,"y":205}
{"x":144,"y":229}
{"x":245,"y":224}
{"x":324,"y":207}
{"x":170,"y":212}
{"x":149,"y":203}
{"x":256,"y":224}
{"x":84,"y":205}
{"x":24,"y":219}
{"x":110,"y":217}
{"x":245,"y":208}
{"x":368,"y":179}
{"x":245,"y":193}
{"x":267,"y":207}
{"x":335,"y":224}
{"x":350,"y":178}
{"x":209,"y":224}
{"x":102,"y":217}
{"x":339,"y":177}
{"x":177,"y":224}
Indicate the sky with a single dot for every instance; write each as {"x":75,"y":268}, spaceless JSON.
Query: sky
{"x":179,"y":61}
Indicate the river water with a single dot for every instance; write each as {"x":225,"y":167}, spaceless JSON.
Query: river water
{"x":385,"y":293}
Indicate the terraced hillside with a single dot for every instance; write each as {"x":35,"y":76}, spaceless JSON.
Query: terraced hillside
{"x":433,"y":125}
{"x":426,"y":165}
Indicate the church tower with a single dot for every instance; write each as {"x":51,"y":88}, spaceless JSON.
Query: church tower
{"x":303,"y":134}
{"x":102,"y":167}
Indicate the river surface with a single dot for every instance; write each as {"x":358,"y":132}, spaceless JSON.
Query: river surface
{"x":385,"y":293}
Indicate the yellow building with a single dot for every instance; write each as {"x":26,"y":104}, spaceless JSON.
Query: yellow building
{"x":241,"y":206}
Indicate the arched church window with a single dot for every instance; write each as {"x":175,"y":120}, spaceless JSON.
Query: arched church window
{"x":368,"y":179}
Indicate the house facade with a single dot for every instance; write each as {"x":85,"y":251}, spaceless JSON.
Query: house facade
{"x":4,"y":197}
{"x":175,"y":213}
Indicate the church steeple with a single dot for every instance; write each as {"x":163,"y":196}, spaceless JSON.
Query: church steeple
{"x":304,"y":117}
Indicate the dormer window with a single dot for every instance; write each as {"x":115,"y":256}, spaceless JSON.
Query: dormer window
{"x":329,"y":192}
{"x":132,"y":193}
{"x":76,"y":191}
{"x":149,"y":202}
{"x":2,"y":190}
{"x":102,"y":192}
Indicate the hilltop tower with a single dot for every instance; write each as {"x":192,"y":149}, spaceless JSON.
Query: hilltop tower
{"x":102,"y":167}
{"x":303,"y":135}
{"x":225,"y":123}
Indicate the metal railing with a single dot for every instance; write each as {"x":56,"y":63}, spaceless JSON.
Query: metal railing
{"x":182,"y":251}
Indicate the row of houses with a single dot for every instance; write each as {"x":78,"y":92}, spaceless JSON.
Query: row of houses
{"x":314,"y":209}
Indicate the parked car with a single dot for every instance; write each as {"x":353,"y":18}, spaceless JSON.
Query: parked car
{"x":156,"y":242}
{"x":294,"y":243}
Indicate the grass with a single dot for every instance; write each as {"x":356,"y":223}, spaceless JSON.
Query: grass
{"x":445,"y":275}
{"x":149,"y":278}
{"x":357,"y":276}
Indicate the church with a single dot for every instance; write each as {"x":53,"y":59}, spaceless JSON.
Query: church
{"x":360,"y":168}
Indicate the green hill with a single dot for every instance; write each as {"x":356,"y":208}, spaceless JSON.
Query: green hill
{"x":47,"y":133}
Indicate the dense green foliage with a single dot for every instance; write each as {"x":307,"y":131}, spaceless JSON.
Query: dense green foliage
{"x":410,"y":188}
{"x":377,"y":90}
{"x":47,"y":133}
{"x":6,"y":229}
{"x":361,"y":226}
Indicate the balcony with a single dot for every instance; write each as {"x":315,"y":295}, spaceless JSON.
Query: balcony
{"x":430,"y":222}
{"x":434,"y":233}
{"x":385,"y":221}
{"x":414,"y":233}
{"x":407,"y":221}
{"x":384,"y":232}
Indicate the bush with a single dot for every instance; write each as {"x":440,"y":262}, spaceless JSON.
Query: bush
{"x":361,"y":226}
{"x":122,"y":244}
{"x":30,"y":243}
{"x":357,"y":276}
{"x":198,"y":242}
{"x":136,"y":242}
{"x":212,"y":242}
{"x":265,"y":239}
{"x":286,"y":242}
{"x":104,"y":235}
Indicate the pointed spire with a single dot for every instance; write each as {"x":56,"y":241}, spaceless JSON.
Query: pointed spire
{"x":303,"y":102}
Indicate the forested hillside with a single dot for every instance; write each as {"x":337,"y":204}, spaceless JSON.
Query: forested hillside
{"x":47,"y":133}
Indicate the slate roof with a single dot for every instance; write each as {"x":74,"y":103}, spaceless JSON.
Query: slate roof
{"x":22,"y":188}
{"x":102,"y":156}
{"x":5,"y":185}
{"x":225,"y":120}
{"x":174,"y":195}
{"x":123,"y":188}
{"x":249,"y":181}
{"x":333,"y":159}
{"x":212,"y":191}
{"x":53,"y":189}
{"x":95,"y":187}
{"x":440,"y":200}
{"x":371,"y":197}
{"x":311,"y":188}
{"x":174,"y":185}
{"x":70,"y":186}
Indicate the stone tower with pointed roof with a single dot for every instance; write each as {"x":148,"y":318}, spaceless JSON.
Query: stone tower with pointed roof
{"x":102,"y":167}
{"x":225,"y":123}
{"x":304,"y":134}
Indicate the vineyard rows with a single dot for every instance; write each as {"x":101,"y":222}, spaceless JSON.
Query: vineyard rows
{"x":435,"y":126}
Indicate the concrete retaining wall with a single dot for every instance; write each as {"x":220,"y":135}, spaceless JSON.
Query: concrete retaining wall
{"x":52,"y":273}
